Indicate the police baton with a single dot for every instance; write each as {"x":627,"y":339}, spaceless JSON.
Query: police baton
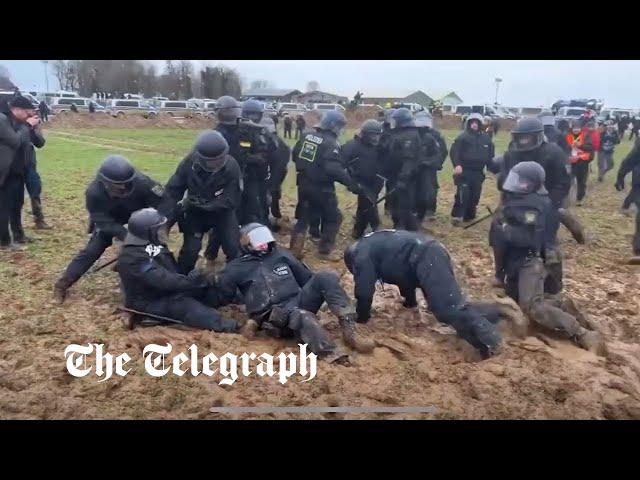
{"x":479,"y":220}
{"x":150,"y":315}
{"x":391,"y":192}
{"x":104,"y":265}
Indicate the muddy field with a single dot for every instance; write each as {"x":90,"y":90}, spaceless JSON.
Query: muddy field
{"x":423,"y":364}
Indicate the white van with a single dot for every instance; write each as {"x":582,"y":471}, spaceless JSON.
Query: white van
{"x":179,"y":108}
{"x":62,"y":105}
{"x":327,"y":106}
{"x":118,"y":107}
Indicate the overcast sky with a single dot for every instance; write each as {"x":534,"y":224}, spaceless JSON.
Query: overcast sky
{"x":525,"y":82}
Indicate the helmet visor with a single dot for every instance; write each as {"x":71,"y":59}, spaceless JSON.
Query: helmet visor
{"x":118,"y":189}
{"x":259,"y":239}
{"x":524,"y":142}
{"x":212,"y":164}
{"x":516,"y":183}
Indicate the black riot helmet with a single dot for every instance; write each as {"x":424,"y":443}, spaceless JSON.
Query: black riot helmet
{"x":527,"y":134}
{"x":526,"y":177}
{"x":149,"y":225}
{"x":388,"y":116}
{"x":402,"y":118}
{"x":210,"y":151}
{"x":350,"y":255}
{"x":228,"y":110}
{"x":424,"y":119}
{"x":370,"y":132}
{"x":253,"y":110}
{"x":256,"y":239}
{"x":333,"y":121}
{"x":117,"y":175}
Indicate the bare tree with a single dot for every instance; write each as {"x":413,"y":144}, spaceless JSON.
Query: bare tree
{"x":5,"y":79}
{"x":257,"y":84}
{"x":185,"y":72}
{"x":312,"y":86}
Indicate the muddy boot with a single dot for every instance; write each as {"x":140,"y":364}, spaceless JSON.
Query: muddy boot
{"x":498,"y":282}
{"x":572,"y":224}
{"x":456,"y":221}
{"x":12,"y":247}
{"x":249,"y":329}
{"x":590,"y":340}
{"x":350,"y":336}
{"x":635,"y":260}
{"x":337,"y":356}
{"x":38,"y":216}
{"x":20,"y":238}
{"x":60,"y":290}
{"x":297,"y":245}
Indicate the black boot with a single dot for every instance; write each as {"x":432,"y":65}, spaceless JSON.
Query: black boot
{"x":38,"y":216}
{"x":350,"y":336}
{"x":60,"y":289}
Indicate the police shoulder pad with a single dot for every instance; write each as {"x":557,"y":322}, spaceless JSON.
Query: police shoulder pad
{"x":314,"y":138}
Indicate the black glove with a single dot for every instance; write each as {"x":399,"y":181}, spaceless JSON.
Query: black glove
{"x":199,"y":278}
{"x":620,"y":184}
{"x":356,"y":188}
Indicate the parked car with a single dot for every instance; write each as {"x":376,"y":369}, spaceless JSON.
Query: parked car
{"x":179,"y":108}
{"x":413,"y":107}
{"x":291,"y":108}
{"x":118,"y":107}
{"x":155,"y":101}
{"x":371,"y":105}
{"x":323,"y":107}
{"x":615,"y":112}
{"x":63,"y":105}
{"x":570,"y":113}
{"x":208,"y":109}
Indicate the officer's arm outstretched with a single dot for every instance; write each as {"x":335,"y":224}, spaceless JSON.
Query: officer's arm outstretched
{"x":102,"y":220}
{"x":155,"y":276}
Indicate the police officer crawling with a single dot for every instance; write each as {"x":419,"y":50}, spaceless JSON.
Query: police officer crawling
{"x":151,"y":280}
{"x":117,"y":191}
{"x":283,"y":296}
{"x":413,"y":260}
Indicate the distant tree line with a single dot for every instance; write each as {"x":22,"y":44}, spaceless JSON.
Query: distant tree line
{"x":178,"y":80}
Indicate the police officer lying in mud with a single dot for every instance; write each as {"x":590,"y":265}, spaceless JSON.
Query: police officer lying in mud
{"x":413,"y":260}
{"x":282,"y":296}
{"x":117,"y":191}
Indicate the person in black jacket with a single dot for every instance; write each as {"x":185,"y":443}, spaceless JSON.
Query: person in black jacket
{"x":117,"y":191}
{"x":529,"y":222}
{"x":43,"y":109}
{"x":361,"y":156}
{"x":427,"y":190}
{"x":552,"y":133}
{"x":282,"y":295}
{"x":608,"y":140}
{"x":18,"y":133}
{"x":407,"y":148}
{"x":288,"y":123}
{"x":278,"y":163}
{"x":151,"y":281}
{"x":635,"y":127}
{"x":470,"y":153}
{"x":528,"y":144}
{"x":301,"y":124}
{"x":414,"y":260}
{"x":385,"y":161}
{"x":211,"y":179}
{"x":319,"y":166}
{"x":631,"y":163}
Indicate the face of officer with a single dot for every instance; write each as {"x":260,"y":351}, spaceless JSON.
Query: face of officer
{"x":474,"y":125}
{"x":576,"y":130}
{"x":22,"y":114}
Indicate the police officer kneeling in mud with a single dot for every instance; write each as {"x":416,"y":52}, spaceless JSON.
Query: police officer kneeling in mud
{"x":413,"y":260}
{"x":529,"y":144}
{"x":529,"y":223}
{"x":282,"y":295}
{"x":211,"y":178}
{"x":151,"y":280}
{"x":117,"y":191}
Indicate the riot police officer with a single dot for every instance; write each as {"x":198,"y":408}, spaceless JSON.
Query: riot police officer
{"x":278,"y":163}
{"x":427,"y":190}
{"x":318,"y":166}
{"x":152,"y":283}
{"x":529,"y":224}
{"x":406,"y":148}
{"x":117,"y":191}
{"x":282,"y":295}
{"x":528,"y":144}
{"x":631,"y":163}
{"x":471,"y":152}
{"x":361,"y":155}
{"x":413,"y":260}
{"x":385,"y":139}
{"x":211,"y":179}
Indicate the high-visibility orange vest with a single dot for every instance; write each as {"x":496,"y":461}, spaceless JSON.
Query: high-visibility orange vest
{"x":575,"y":142}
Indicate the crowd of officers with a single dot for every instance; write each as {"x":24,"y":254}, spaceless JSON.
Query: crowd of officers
{"x":228,"y":189}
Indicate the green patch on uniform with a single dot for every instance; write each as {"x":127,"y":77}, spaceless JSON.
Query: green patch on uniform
{"x":530,"y":217}
{"x":308,"y":151}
